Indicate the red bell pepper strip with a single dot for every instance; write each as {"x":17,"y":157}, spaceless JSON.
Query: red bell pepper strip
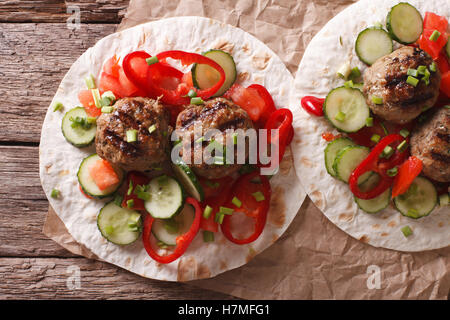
{"x":158,"y":78}
{"x":280,"y":120}
{"x":257,"y":209}
{"x":183,"y":241}
{"x":407,"y":172}
{"x":137,"y":179}
{"x":313,"y":105}
{"x":371,"y":163}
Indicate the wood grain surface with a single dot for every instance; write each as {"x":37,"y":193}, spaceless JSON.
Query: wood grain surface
{"x":36,"y":50}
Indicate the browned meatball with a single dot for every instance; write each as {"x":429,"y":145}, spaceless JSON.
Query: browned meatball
{"x":220,"y":114}
{"x":150,"y":149}
{"x":430,"y":142}
{"x":386,"y":79}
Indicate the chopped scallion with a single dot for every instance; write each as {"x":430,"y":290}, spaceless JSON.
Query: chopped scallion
{"x":355,"y":73}
{"x":90,"y":81}
{"x":118,"y":200}
{"x":131,"y":135}
{"x":406,"y":230}
{"x":421,"y":69}
{"x":433,"y":67}
{"x":208,"y":236}
{"x":392,"y":172}
{"x":152,"y":60}
{"x":207,"y":212}
{"x":387,"y":152}
{"x":152,"y":128}
{"x":444,"y":199}
{"x":96,"y":96}
{"x":377,"y":100}
{"x":259,"y":196}
{"x":192,"y":93}
{"x":369,"y":122}
{"x":413,"y":213}
{"x":435,"y":36}
{"x":236,"y":202}
{"x":413,"y":73}
{"x":58,"y":106}
{"x":402,"y":146}
{"x":412,"y":81}
{"x":109,"y":229}
{"x":340,"y":116}
{"x":197,"y":101}
{"x":375,"y":138}
{"x":130,"y":188}
{"x":55,"y":193}
{"x":107,"y":109}
{"x":225,"y":210}
{"x":130,"y":203}
{"x":404,"y":133}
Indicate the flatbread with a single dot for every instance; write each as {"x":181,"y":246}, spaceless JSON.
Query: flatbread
{"x":59,"y":161}
{"x":316,"y":76}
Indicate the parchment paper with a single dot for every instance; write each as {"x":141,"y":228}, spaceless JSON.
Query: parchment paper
{"x":313,"y":259}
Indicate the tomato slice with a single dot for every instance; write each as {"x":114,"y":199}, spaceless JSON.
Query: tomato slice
{"x":435,"y":22}
{"x":269,"y":105}
{"x":443,"y":63}
{"x":248,"y":99}
{"x":407,"y":172}
{"x":103,"y":174}
{"x":110,"y":83}
{"x":128,"y":88}
{"x":87,"y":100}
{"x":112,"y":66}
{"x":433,"y":48}
{"x":137,"y":179}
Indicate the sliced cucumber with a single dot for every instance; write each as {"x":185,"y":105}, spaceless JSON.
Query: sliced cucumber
{"x":419,"y":200}
{"x":332,"y":150}
{"x":404,"y":23}
{"x":346,"y":109}
{"x":167,"y":230}
{"x":204,"y":76}
{"x":347,"y":160}
{"x":119,"y":225}
{"x":188,"y":180}
{"x":376,"y":204}
{"x":166,"y":197}
{"x":87,"y":183}
{"x":78,"y":136}
{"x":372,"y":44}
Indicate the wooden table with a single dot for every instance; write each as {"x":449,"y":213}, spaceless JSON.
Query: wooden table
{"x":36,"y":50}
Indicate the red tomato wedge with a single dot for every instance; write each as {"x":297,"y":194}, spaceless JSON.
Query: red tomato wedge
{"x":87,"y":100}
{"x":103,"y":174}
{"x":445,"y":84}
{"x":110,"y":83}
{"x":248,"y":99}
{"x":128,"y":88}
{"x":112,"y":66}
{"x":435,"y":22}
{"x":433,"y":48}
{"x":443,"y":63}
{"x":407,"y":172}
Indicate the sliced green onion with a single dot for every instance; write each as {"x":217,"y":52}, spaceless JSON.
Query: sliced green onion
{"x":444,"y":199}
{"x":402,"y":146}
{"x":386,"y":132}
{"x":107,"y":109}
{"x":387,"y":152}
{"x":435,"y":35}
{"x":426,"y":77}
{"x":377,"y":100}
{"x":392,"y":172}
{"x":421,"y":70}
{"x":192,"y":93}
{"x":344,"y":71}
{"x":355,"y":73}
{"x":152,"y":60}
{"x":118,"y":200}
{"x":433,"y":67}
{"x":130,"y":188}
{"x":110,"y":95}
{"x":406,"y":230}
{"x":208,"y":236}
{"x":413,"y":72}
{"x":375,"y":138}
{"x":197,"y":101}
{"x":220,"y":217}
{"x":96,"y":96}
{"x":131,"y":135}
{"x":369,"y":122}
{"x":236,"y":202}
{"x":90,"y":81}
{"x":55,"y":193}
{"x":225,"y":210}
{"x":259,"y":196}
{"x":143,"y":195}
{"x":447,"y":107}
{"x":207,"y":212}
{"x":413,"y":213}
{"x":340,"y":116}
{"x":152,"y":128}
{"x":412,"y":81}
{"x":404,"y":133}
{"x":58,"y":106}
{"x":109,"y":229}
{"x":130,"y":203}
{"x":349,"y":84}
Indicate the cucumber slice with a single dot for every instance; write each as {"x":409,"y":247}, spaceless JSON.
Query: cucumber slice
{"x":419,"y":200}
{"x":372,"y":44}
{"x":87,"y":183}
{"x":188,"y":180}
{"x":376,"y":204}
{"x":167,"y":230}
{"x":404,"y":23}
{"x":204,"y":76}
{"x":119,"y":225}
{"x":350,"y":103}
{"x":347,"y":160}
{"x":77,"y":136}
{"x":332,"y":150}
{"x":166,"y":197}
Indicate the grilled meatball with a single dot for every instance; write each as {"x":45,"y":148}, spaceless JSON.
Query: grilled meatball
{"x":220,"y":114}
{"x":386,"y":79}
{"x":430,"y":142}
{"x":150,"y":149}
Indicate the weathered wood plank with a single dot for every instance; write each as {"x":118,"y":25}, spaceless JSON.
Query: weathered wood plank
{"x":104,"y":11}
{"x":54,"y":278}
{"x":34,"y":59}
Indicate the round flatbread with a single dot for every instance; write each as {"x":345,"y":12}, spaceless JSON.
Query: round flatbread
{"x":316,"y":75}
{"x":59,"y":160}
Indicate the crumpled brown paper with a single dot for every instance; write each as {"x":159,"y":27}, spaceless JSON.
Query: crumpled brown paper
{"x":313,"y":259}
